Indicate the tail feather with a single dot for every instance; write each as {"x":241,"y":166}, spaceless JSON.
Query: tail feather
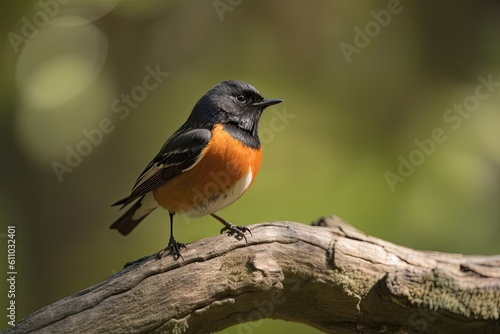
{"x":137,"y":212}
{"x":121,"y":202}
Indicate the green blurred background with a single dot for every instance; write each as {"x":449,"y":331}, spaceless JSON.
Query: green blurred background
{"x":349,"y":121}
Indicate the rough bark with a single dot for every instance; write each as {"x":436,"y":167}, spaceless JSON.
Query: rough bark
{"x":330,"y":276}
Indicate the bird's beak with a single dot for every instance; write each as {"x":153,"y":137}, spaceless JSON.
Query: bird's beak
{"x":267,"y":103}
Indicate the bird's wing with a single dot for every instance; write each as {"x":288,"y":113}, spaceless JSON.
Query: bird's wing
{"x":181,"y":152}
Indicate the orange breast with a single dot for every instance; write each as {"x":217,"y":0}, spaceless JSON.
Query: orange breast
{"x":219,"y":178}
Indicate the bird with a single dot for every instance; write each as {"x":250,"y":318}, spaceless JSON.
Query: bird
{"x":205,"y":166}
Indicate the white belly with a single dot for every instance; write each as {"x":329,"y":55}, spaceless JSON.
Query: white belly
{"x":216,"y":202}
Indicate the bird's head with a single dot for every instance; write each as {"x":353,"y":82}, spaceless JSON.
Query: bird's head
{"x":233,"y":103}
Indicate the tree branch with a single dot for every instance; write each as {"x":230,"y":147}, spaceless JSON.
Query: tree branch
{"x":330,"y":276}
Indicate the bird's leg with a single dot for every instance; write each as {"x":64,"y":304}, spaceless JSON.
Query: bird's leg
{"x":238,"y":231}
{"x":173,"y":246}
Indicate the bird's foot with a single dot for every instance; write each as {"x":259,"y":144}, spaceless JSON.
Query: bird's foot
{"x":173,"y":248}
{"x":237,"y":231}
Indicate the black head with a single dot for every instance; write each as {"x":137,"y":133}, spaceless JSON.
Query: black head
{"x":234,"y":104}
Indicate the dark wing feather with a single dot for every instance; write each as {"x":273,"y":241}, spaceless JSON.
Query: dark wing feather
{"x":179,"y":153}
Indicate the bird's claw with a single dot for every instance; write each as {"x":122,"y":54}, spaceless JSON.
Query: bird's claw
{"x":237,"y":231}
{"x":173,"y":248}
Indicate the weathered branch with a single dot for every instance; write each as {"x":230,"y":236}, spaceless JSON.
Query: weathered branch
{"x":330,"y":276}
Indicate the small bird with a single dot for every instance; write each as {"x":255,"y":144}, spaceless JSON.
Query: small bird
{"x":204,"y":166}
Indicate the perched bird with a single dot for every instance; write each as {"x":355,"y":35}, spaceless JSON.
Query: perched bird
{"x":204,"y":166}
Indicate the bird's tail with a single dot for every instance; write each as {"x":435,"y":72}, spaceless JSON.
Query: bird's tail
{"x":137,"y":212}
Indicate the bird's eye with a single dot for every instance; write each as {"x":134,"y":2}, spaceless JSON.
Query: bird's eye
{"x":241,"y":99}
